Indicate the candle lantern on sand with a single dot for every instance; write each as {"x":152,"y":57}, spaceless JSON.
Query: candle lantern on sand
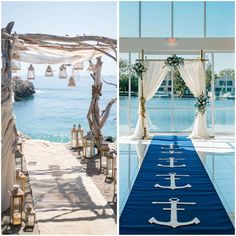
{"x":16,"y":204}
{"x":103,"y":158}
{"x":62,"y":72}
{"x":110,"y":166}
{"x":74,"y":137}
{"x":88,"y":145}
{"x":29,"y":216}
{"x":80,"y":136}
{"x":49,"y":71}
{"x":20,"y":177}
{"x":31,"y":73}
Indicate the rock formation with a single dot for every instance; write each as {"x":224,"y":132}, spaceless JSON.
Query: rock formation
{"x":22,"y":88}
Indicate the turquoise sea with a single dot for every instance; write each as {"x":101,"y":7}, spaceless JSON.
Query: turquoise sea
{"x":51,"y":112}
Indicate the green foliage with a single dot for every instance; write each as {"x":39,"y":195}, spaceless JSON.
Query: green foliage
{"x":229,"y":73}
{"x":202,"y":103}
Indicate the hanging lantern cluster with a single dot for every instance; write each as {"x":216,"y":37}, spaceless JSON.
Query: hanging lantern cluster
{"x":62,"y":72}
{"x":49,"y":71}
{"x":31,"y":73}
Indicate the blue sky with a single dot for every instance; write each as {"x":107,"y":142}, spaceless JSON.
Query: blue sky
{"x":61,"y":18}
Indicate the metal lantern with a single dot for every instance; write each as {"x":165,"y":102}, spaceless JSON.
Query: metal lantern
{"x":74,"y":137}
{"x":20,"y":177}
{"x":91,"y":67}
{"x":16,"y":201}
{"x":80,"y":136}
{"x":49,"y":71}
{"x":62,"y":72}
{"x":103,"y":158}
{"x":88,"y":145}
{"x":76,"y":68}
{"x":30,"y":217}
{"x":71,"y":82}
{"x":31,"y":73}
{"x":110,"y":168}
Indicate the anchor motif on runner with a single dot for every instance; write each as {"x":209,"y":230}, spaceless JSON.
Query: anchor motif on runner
{"x":172,"y":160}
{"x":171,"y":151}
{"x":172,"y":182}
{"x":173,"y":214}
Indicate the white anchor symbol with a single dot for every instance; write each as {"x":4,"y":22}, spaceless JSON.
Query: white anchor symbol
{"x":171,"y":151}
{"x":172,"y":182}
{"x":173,"y":214}
{"x":172,"y":160}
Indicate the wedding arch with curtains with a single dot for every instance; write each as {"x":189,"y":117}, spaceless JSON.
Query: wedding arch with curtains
{"x":193,"y":74}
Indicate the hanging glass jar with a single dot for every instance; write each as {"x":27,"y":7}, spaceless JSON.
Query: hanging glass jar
{"x":49,"y":71}
{"x":91,"y":67}
{"x":88,"y":145}
{"x":31,"y":73}
{"x":71,"y":82}
{"x":62,"y":72}
{"x":29,"y":216}
{"x":80,"y":136}
{"x":74,"y":137}
{"x":16,"y":205}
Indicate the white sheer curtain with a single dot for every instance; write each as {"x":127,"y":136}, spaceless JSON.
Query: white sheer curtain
{"x":152,"y":80}
{"x":193,"y":74}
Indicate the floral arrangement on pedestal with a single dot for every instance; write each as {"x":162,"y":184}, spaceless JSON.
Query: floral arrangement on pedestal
{"x":202,"y":103}
{"x":174,"y":61}
{"x":138,"y":68}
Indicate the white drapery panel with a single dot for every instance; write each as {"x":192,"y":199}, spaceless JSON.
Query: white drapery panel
{"x":193,"y":74}
{"x":35,"y":54}
{"x":152,"y":80}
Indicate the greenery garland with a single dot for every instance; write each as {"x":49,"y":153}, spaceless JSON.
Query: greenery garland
{"x":138,"y":68}
{"x":174,"y":61}
{"x":202,"y":103}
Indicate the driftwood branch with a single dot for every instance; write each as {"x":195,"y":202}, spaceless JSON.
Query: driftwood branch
{"x":109,"y":83}
{"x":106,"y":113}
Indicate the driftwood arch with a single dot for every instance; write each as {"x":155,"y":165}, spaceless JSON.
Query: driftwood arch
{"x":72,"y":46}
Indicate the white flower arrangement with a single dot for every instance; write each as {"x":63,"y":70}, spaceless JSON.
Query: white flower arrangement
{"x":202,"y":103}
{"x":174,"y":61}
{"x":139,"y":68}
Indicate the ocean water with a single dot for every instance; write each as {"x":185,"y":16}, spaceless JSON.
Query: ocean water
{"x":51,"y":112}
{"x":163,"y":118}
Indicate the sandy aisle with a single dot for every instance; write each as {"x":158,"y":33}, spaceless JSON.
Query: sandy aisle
{"x":65,"y":199}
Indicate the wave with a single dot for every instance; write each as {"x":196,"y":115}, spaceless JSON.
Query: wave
{"x":39,"y":91}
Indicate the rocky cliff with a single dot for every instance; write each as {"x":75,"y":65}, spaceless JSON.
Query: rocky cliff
{"x":22,"y":88}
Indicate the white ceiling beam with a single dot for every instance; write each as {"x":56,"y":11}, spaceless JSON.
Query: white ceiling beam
{"x":157,"y":45}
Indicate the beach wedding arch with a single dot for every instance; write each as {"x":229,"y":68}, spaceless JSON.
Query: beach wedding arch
{"x":153,"y":72}
{"x":50,"y":50}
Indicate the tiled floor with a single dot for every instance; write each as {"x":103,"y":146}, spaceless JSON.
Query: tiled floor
{"x":217,"y":155}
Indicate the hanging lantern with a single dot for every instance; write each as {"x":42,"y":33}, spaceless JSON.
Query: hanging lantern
{"x":16,"y":201}
{"x":88,"y":145}
{"x":49,"y":71}
{"x":71,"y":82}
{"x":31,"y":73}
{"x":80,"y":136}
{"x":76,"y":68}
{"x":29,"y":216}
{"x":62,"y":72}
{"x":74,"y":137}
{"x":110,"y":168}
{"x":103,"y":158}
{"x":20,"y":177}
{"x":91,"y":67}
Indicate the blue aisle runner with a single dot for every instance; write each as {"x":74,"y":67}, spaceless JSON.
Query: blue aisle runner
{"x":201,"y":206}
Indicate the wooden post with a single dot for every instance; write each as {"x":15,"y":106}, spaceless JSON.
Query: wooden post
{"x":8,"y":132}
{"x":142,"y":102}
{"x":95,"y":119}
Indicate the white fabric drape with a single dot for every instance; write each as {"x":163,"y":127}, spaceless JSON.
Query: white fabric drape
{"x":193,"y":74}
{"x":35,"y":54}
{"x":152,"y":80}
